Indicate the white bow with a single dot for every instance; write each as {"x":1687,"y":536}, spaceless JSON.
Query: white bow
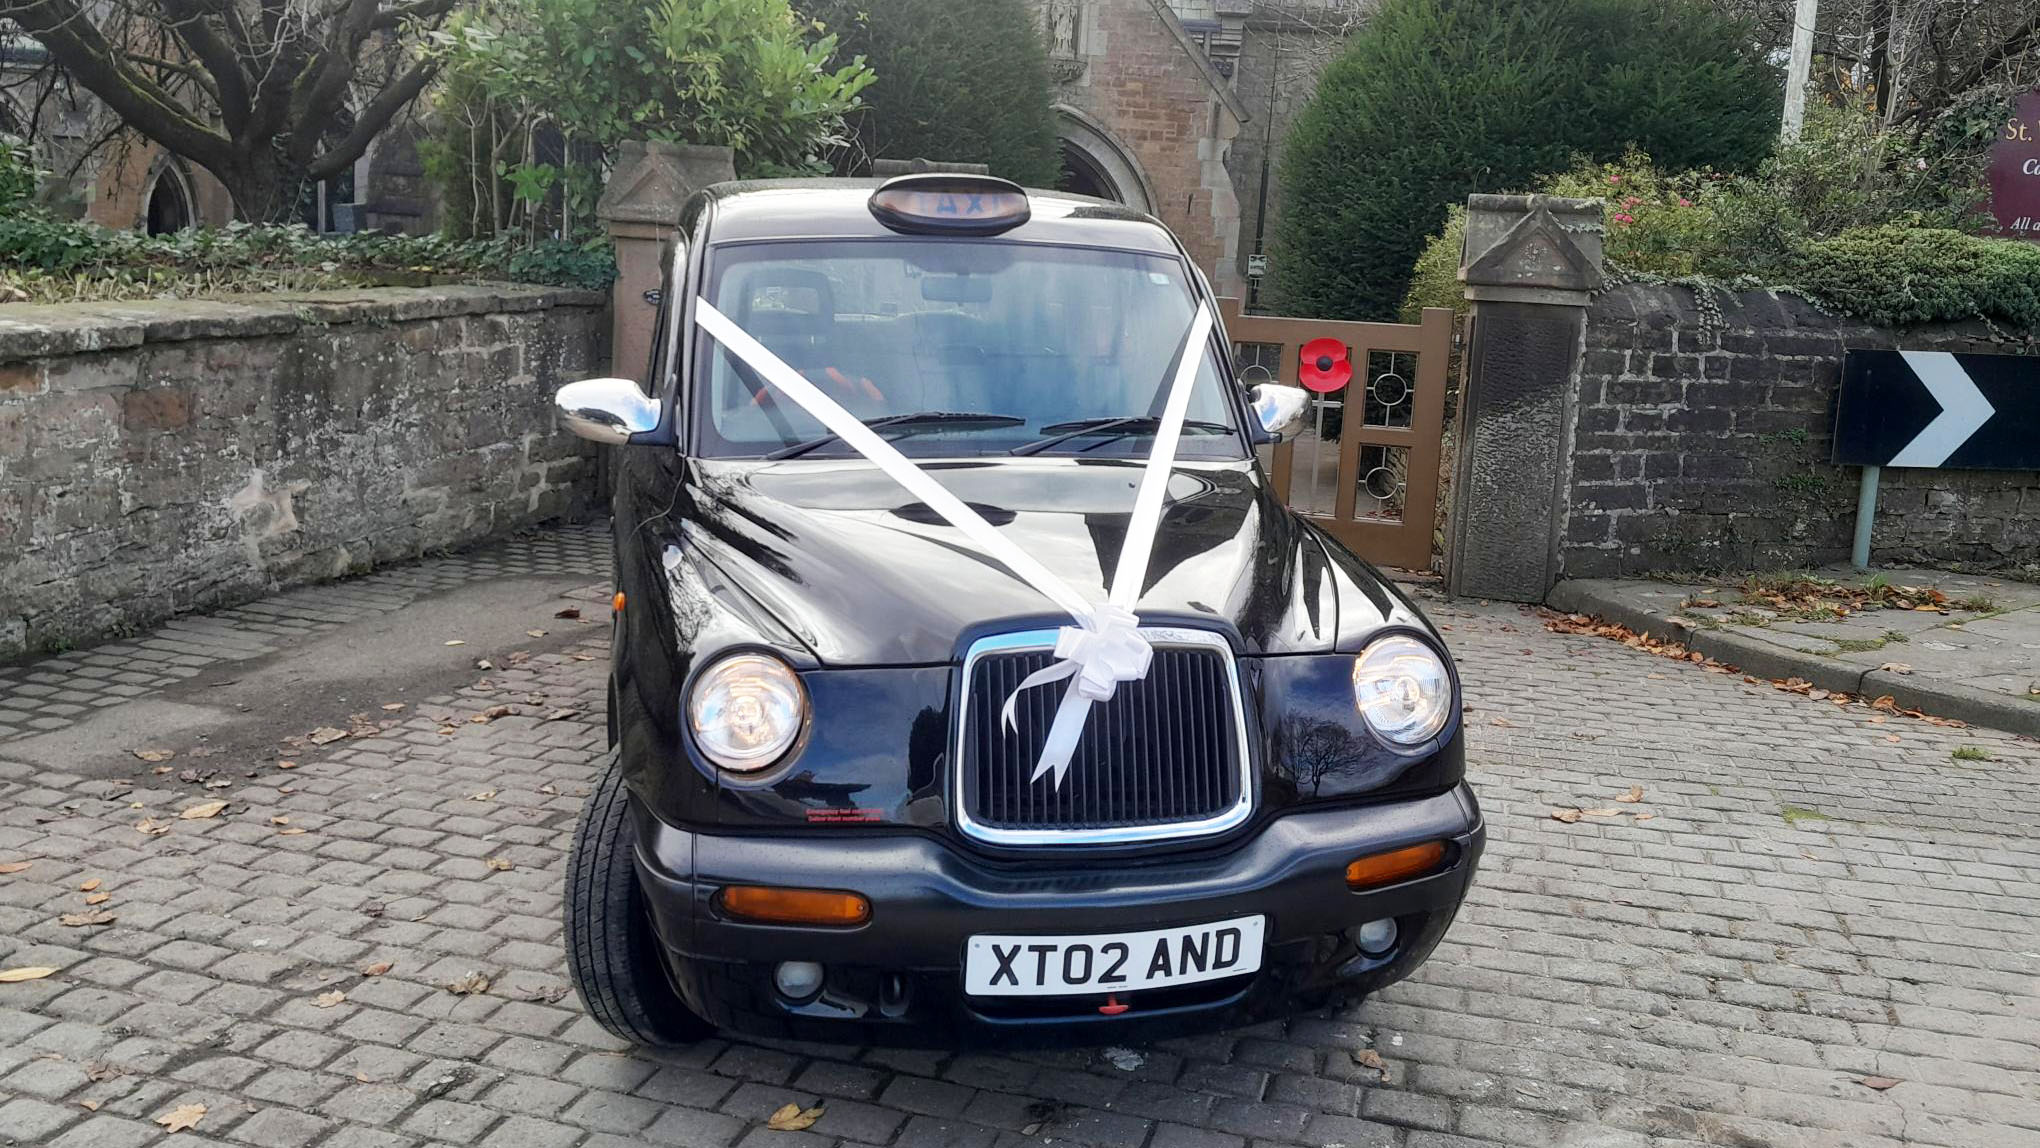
{"x":1106,"y":646}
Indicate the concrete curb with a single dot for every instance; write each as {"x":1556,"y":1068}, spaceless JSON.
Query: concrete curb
{"x":1768,"y":660}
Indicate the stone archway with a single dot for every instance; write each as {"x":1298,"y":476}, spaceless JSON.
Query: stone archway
{"x":1095,"y":162}
{"x":169,"y":205}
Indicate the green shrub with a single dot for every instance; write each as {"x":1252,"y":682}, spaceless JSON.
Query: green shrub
{"x":1897,"y":275}
{"x":48,"y":259}
{"x":1436,"y":99}
{"x":973,"y":90}
{"x":1435,"y":280}
{"x":589,"y":74}
{"x":17,"y":172}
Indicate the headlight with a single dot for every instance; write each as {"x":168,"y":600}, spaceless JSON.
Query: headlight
{"x":746,"y":710}
{"x":1403,"y":689}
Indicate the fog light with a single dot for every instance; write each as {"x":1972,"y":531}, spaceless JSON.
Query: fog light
{"x":1374,"y":937}
{"x":799,"y":980}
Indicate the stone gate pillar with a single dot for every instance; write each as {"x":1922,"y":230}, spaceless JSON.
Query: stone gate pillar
{"x":1530,"y":264}
{"x":640,"y":208}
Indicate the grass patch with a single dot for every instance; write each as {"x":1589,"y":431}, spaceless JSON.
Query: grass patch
{"x":1971,"y":753}
{"x":1858,"y":645}
{"x":1746,"y":618}
{"x":1977,"y":603}
{"x":1795,"y":814}
{"x":1896,"y":636}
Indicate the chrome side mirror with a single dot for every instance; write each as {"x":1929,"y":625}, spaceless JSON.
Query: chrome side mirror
{"x":1278,"y":407}
{"x":606,"y":410}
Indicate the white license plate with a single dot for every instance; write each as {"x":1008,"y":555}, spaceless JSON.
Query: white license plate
{"x":1009,"y":966}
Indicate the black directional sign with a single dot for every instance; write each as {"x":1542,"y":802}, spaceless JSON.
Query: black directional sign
{"x":1937,"y":409}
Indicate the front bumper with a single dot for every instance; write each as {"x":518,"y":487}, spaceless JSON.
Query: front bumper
{"x":897,"y":979}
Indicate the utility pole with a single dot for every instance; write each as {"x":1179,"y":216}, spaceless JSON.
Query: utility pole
{"x":1800,"y":69}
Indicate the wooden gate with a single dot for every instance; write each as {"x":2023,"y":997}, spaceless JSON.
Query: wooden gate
{"x":1365,"y":464}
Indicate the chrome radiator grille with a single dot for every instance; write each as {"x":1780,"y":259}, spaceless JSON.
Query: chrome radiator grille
{"x":1163,"y":758}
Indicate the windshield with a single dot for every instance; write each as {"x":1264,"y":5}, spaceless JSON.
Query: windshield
{"x":1027,"y":337}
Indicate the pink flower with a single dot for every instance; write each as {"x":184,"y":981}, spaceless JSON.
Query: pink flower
{"x":1684,"y":202}
{"x":1631,"y":201}
{"x":1625,"y":218}
{"x":1614,"y":179}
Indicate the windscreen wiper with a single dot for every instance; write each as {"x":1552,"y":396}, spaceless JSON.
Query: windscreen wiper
{"x":911,"y":424}
{"x":1123,"y":424}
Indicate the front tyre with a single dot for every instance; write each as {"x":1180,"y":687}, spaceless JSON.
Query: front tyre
{"x":612,"y":952}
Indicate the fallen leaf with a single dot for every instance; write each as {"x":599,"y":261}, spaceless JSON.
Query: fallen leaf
{"x":328,"y":1000}
{"x":1502,"y":721}
{"x":491,"y":714}
{"x":1368,"y":1058}
{"x":1895,"y":668}
{"x":326,"y":734}
{"x":377,"y":969}
{"x":483,"y":795}
{"x":1893,"y":738}
{"x":13,"y":867}
{"x":81,"y":920}
{"x":469,"y":985}
{"x":393,"y":706}
{"x":182,"y":1117}
{"x":500,"y":864}
{"x":1655,"y":677}
{"x":1566,"y":815}
{"x":1645,"y":816}
{"x":455,"y":642}
{"x":280,"y":819}
{"x":286,"y":765}
{"x":568,"y":612}
{"x":1634,"y":795}
{"x":152,"y":827}
{"x":155,"y":754}
{"x":793,"y":1118}
{"x":535,"y":633}
{"x":484,"y":664}
{"x":203,"y":810}
{"x":584,"y":657}
{"x":89,"y":1105}
{"x":29,"y":973}
{"x":88,"y":886}
{"x":560,"y":715}
{"x":1602,"y":812}
{"x":98,"y":898}
{"x":1880,"y":1083}
{"x":291,"y":832}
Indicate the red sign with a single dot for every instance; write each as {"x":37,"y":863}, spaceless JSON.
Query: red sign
{"x":2015,"y":171}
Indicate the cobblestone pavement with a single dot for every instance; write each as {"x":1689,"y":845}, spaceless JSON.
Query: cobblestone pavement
{"x":1817,"y":899}
{"x":55,"y":693}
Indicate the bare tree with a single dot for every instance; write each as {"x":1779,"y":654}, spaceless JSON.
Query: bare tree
{"x":264,"y":94}
{"x":1916,"y":57}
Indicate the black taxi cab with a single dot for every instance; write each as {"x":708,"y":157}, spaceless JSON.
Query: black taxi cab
{"x":970,"y":685}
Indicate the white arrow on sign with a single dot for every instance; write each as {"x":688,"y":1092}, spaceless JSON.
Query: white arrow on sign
{"x":1963,"y":409}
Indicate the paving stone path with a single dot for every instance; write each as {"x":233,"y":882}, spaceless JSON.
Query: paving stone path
{"x":1817,"y":899}
{"x":54,"y":693}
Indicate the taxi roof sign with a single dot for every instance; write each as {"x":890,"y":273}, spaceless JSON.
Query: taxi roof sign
{"x":943,"y":203}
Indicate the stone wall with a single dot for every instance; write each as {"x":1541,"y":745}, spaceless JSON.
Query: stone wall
{"x":168,"y":456}
{"x":1139,"y":79}
{"x":1703,"y":433}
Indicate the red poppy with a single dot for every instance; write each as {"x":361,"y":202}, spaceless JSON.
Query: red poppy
{"x":1324,"y":367}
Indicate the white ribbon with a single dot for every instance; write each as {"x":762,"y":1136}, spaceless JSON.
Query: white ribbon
{"x":1106,"y":646}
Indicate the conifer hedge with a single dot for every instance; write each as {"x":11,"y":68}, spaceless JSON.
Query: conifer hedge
{"x":1436,"y":99}
{"x":963,"y":83}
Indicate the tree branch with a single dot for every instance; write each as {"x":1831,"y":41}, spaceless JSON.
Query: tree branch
{"x":372,"y":118}
{"x":72,"y":39}
{"x":391,"y":18}
{"x":230,"y":87}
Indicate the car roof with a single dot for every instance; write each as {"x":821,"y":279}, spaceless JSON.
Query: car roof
{"x":746,"y":210}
